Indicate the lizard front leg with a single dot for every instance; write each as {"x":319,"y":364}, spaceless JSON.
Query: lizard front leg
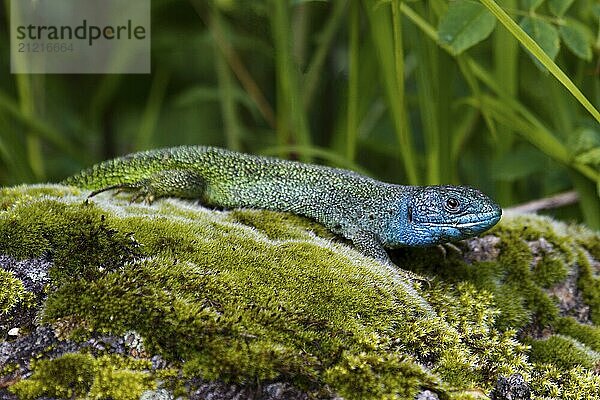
{"x":368,"y":243}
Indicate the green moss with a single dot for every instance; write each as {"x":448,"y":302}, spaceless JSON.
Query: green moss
{"x":474,"y":315}
{"x":549,"y":382}
{"x":519,"y":278}
{"x":83,"y":376}
{"x":11,"y":196}
{"x":588,"y":240}
{"x":253,"y":296}
{"x":564,"y":352}
{"x":589,"y":284}
{"x":587,"y":334}
{"x":8,"y":368}
{"x":77,"y":236}
{"x":111,"y":381}
{"x":68,"y":376}
{"x":385,"y":376}
{"x":12,"y":291}
{"x":277,"y":226}
{"x":550,"y":270}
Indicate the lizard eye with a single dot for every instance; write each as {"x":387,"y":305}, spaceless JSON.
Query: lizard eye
{"x":452,"y":204}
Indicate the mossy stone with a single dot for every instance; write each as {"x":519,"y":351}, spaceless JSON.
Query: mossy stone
{"x":253,"y":296}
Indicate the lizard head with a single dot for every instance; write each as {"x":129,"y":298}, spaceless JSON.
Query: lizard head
{"x":440,"y":214}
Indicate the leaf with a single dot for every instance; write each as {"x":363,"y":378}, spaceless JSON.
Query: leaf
{"x":584,"y":139}
{"x":531,"y":4}
{"x":577,"y":38}
{"x":465,"y":24}
{"x":591,"y":157}
{"x":585,"y":146}
{"x":545,"y":35}
{"x":559,"y":7}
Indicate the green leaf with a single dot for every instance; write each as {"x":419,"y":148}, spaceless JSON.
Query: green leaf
{"x":531,"y":4}
{"x":545,"y":35}
{"x":577,"y":38}
{"x":465,"y":24}
{"x":559,"y":7}
{"x":591,"y":157}
{"x":545,"y":60}
{"x":584,"y":139}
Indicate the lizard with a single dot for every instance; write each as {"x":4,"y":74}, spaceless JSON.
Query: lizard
{"x":373,"y":215}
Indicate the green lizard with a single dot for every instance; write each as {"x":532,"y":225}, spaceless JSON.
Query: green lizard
{"x":374,"y":215}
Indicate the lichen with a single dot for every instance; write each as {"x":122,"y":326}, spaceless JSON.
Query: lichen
{"x":253,"y":296}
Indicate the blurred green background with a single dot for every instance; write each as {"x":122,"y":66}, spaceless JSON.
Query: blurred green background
{"x":415,"y":92}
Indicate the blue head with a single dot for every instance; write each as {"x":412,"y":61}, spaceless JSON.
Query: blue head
{"x":440,"y":214}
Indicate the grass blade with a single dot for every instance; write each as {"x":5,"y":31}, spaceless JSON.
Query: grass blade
{"x":542,"y":57}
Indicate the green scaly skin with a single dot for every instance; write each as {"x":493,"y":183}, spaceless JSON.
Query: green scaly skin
{"x":374,"y":215}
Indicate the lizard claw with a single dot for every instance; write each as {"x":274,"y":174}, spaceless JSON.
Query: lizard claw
{"x":445,"y":248}
{"x":412,"y":276}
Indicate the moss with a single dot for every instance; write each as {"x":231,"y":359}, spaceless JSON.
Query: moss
{"x":564,"y":352}
{"x":9,"y":368}
{"x":254,"y":296}
{"x":237,"y":327}
{"x":83,"y":376}
{"x":589,"y":284}
{"x":121,"y":379}
{"x":12,"y":291}
{"x":550,"y":270}
{"x":76,"y":236}
{"x":17,"y":304}
{"x":65,"y":377}
{"x":587,"y":334}
{"x":549,"y":382}
{"x":384,"y":376}
{"x":276,"y":225}
{"x":588,"y":240}
{"x":492,"y":352}
{"x":11,"y":196}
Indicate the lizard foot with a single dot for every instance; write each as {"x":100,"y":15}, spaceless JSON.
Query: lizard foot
{"x":413,"y":276}
{"x":446,"y":248}
{"x":142,"y":191}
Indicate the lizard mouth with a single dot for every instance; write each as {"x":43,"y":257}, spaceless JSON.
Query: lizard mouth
{"x":483,"y":220}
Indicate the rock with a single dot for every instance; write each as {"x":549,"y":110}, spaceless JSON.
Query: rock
{"x":116,"y":300}
{"x":512,"y":388}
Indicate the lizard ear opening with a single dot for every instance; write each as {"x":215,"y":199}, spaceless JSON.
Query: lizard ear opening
{"x":409,"y":215}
